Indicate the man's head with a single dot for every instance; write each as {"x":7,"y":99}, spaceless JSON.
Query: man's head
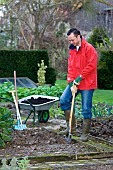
{"x":74,"y":37}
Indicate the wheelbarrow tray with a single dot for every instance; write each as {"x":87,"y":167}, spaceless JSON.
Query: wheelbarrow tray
{"x":38,"y":107}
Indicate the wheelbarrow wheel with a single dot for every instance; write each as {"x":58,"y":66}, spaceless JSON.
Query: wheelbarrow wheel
{"x":43,"y":116}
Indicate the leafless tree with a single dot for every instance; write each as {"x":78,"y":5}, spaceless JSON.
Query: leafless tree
{"x":41,"y":24}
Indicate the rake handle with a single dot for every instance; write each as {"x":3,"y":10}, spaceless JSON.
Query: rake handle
{"x":17,"y":109}
{"x":15,"y":86}
{"x":16,"y":99}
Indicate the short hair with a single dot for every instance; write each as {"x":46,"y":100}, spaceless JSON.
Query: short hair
{"x":74,"y":31}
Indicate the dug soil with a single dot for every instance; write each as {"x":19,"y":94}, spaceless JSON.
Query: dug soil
{"x":42,"y":139}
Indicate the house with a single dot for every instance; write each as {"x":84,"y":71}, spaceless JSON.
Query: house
{"x":97,"y":14}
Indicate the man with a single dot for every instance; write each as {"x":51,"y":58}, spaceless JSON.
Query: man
{"x":81,"y":78}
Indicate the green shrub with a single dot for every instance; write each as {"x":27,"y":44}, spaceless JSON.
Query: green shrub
{"x":6,"y":124}
{"x":98,"y":38}
{"x":4,"y":90}
{"x":15,"y":164}
{"x":55,"y":91}
{"x":105,"y":70}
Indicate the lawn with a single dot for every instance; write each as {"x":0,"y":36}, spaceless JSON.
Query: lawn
{"x":99,"y":95}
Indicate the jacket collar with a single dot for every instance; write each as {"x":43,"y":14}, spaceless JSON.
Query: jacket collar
{"x":72,"y":47}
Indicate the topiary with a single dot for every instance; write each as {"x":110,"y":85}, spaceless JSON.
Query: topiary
{"x":41,"y":73}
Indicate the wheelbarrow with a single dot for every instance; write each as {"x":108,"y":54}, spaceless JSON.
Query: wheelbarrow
{"x":38,"y":105}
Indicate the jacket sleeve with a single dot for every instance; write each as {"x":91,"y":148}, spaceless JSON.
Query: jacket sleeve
{"x":91,"y":57}
{"x":70,"y":75}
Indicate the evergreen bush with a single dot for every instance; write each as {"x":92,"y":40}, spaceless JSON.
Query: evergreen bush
{"x":105,"y":70}
{"x":6,"y":125}
{"x":98,"y":38}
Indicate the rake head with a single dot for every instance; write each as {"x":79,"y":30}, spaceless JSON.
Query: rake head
{"x":20,"y":126}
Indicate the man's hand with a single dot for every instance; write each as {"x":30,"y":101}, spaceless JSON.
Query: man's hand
{"x":74,"y":89}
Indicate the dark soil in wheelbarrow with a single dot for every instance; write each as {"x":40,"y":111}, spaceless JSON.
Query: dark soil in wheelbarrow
{"x":40,"y":100}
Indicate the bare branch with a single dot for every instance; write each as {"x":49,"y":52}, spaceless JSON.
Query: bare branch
{"x":104,"y":2}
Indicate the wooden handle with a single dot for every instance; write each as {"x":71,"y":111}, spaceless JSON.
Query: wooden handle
{"x":17,"y":109}
{"x":15,"y":86}
{"x":71,"y":112}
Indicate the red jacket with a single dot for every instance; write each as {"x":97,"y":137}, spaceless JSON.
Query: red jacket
{"x":83,"y":62}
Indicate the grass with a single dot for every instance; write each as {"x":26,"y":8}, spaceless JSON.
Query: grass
{"x":62,"y":83}
{"x":105,"y":96}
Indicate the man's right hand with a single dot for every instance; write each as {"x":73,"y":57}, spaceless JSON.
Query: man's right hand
{"x":74,"y":89}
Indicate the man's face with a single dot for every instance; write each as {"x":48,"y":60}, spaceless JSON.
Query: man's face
{"x":74,"y":39}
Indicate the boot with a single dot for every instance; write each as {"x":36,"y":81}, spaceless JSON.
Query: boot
{"x":85,"y":130}
{"x":66,"y":131}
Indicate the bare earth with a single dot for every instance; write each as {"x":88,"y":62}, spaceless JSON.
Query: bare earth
{"x":43,"y":139}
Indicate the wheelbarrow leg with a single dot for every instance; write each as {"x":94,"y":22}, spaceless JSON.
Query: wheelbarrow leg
{"x":34,"y":117}
{"x":28,"y":117}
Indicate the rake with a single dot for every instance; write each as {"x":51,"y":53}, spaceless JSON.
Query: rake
{"x":19,"y":125}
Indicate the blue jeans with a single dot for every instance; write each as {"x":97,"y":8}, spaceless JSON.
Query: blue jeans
{"x":86,"y":96}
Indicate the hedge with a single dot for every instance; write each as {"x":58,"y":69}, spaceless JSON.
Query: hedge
{"x":105,"y":70}
{"x":25,"y":63}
